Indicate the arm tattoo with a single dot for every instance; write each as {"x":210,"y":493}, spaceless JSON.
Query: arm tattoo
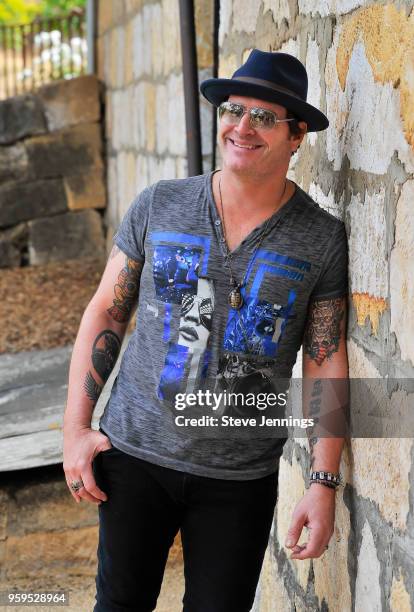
{"x":312,"y":442}
{"x":126,"y":291}
{"x":92,"y":389}
{"x":322,"y":333}
{"x":312,"y":391}
{"x":105,"y":352}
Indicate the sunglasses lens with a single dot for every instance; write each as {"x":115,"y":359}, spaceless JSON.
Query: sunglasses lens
{"x":231,"y":113}
{"x":262,"y":119}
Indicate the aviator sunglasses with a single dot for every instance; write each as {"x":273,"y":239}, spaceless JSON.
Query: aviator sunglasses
{"x":205,"y":308}
{"x":259,"y":118}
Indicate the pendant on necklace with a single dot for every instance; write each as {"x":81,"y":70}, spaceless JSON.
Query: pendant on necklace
{"x":236,"y":298}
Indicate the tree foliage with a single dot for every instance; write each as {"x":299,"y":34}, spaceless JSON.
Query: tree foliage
{"x":24,"y":11}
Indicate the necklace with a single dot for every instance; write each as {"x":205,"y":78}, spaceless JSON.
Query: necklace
{"x":235,"y":297}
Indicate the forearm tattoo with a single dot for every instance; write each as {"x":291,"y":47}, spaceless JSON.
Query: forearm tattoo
{"x":126,"y":291}
{"x":105,"y":352}
{"x":323,"y":329}
{"x":313,"y":410}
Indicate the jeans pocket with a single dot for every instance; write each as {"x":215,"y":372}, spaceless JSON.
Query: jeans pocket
{"x":108,"y":450}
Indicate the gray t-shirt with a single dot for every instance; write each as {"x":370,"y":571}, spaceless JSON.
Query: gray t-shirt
{"x":188,"y":338}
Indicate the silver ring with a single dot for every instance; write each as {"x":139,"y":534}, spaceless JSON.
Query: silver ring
{"x":75,"y":485}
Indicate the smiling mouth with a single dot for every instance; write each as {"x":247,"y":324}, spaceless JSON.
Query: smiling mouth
{"x":246,"y":146}
{"x":188,"y":333}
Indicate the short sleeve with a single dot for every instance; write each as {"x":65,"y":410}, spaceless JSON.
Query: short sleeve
{"x":130,"y":235}
{"x":333,"y":279}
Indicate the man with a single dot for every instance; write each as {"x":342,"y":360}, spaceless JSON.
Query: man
{"x":260,"y":270}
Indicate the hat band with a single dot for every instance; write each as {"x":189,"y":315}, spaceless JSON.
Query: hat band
{"x":268,"y":84}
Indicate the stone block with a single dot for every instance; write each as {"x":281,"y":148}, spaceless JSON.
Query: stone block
{"x":119,"y":11}
{"x":206,"y":117}
{"x":368,"y":579}
{"x":13,"y":162}
{"x":332,"y":580}
{"x":226,"y":11}
{"x":150,"y":117}
{"x":12,"y":242}
{"x":171,"y":33}
{"x":168,"y":168}
{"x":108,"y":117}
{"x":106,"y":52}
{"x":359,"y":364}
{"x":85,"y":190}
{"x":400,"y":598}
{"x":140,"y":112}
{"x":314,"y":79}
{"x":71,"y":101}
{"x":148,"y":25}
{"x":154,"y":169}
{"x":228,"y":65}
{"x":68,"y":236}
{"x":25,"y":201}
{"x":366,"y":51}
{"x":181,"y":165}
{"x":132,"y":6}
{"x":117,"y":120}
{"x":176,"y":116}
{"x":105,"y":16}
{"x":326,"y":7}
{"x":66,"y":152}
{"x":291,"y":491}
{"x":100,"y":58}
{"x":111,"y":212}
{"x":126,"y":168}
{"x":21,"y":116}
{"x":157,"y":34}
{"x":386,"y":461}
{"x":204,"y":17}
{"x":279,"y":8}
{"x":402,"y":275}
{"x":246,"y":19}
{"x":141,"y":173}
{"x":119,"y":60}
{"x":9,"y":256}
{"x":368,"y":264}
{"x":272,"y":595}
{"x":138,"y":46}
{"x":128,"y":63}
{"x":111,"y":58}
{"x":129,"y":138}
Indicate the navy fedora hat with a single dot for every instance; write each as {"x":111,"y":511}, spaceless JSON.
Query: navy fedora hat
{"x":276,"y":77}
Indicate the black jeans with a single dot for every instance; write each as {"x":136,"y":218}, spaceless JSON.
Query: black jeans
{"x":224,"y":525}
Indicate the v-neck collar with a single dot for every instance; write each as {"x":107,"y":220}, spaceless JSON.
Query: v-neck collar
{"x":248,"y":241}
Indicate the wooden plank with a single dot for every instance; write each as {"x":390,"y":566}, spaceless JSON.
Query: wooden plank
{"x":33,"y":393}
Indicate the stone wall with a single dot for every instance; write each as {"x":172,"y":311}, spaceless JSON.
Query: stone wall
{"x":139,"y":60}
{"x":359,"y":57}
{"x":52,"y":176}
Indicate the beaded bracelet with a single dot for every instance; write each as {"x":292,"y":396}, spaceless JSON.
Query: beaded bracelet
{"x":327,"y":478}
{"x":324,"y":482}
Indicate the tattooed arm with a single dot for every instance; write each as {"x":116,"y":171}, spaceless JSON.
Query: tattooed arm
{"x":325,"y":366}
{"x":325,"y":357}
{"x":100,"y":337}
